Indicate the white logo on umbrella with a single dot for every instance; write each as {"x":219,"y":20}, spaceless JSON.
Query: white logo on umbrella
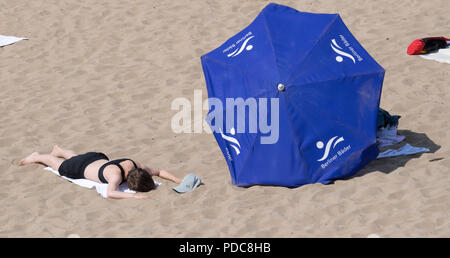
{"x":336,"y":48}
{"x":236,"y":146}
{"x":243,"y":46}
{"x":320,"y":145}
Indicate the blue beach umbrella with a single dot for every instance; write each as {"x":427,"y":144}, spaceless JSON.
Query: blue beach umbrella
{"x":293,"y":99}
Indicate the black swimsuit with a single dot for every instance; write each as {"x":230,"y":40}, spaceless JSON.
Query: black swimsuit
{"x":113,"y":162}
{"x":75,"y":166}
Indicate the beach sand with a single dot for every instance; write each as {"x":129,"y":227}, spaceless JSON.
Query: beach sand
{"x":101,"y":76}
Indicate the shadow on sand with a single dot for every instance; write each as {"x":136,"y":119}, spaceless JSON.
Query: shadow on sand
{"x":388,"y":165}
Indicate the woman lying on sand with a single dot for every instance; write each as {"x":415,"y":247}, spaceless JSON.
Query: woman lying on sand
{"x":97,"y":167}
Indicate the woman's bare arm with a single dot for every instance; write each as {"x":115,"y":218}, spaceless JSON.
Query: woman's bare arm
{"x":168,"y":176}
{"x":164,"y":174}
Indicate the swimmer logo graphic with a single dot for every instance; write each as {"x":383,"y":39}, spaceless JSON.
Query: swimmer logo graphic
{"x":340,"y":50}
{"x":244,"y":46}
{"x":319,"y":145}
{"x":336,"y":48}
{"x":243,"y":43}
{"x":331,"y":144}
{"x":233,"y":141}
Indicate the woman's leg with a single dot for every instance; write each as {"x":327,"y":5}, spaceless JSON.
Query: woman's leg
{"x":62,"y":153}
{"x":46,"y":159}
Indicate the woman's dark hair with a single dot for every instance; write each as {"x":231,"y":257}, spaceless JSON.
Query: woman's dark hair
{"x":140,"y":180}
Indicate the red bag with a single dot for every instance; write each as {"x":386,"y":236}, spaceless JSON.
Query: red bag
{"x":426,"y":45}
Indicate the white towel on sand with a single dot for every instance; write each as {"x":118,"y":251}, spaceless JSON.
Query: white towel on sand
{"x":99,"y":187}
{"x":442,"y":55}
{"x":7,"y":40}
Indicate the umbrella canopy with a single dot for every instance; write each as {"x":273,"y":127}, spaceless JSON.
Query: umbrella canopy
{"x":309,"y":88}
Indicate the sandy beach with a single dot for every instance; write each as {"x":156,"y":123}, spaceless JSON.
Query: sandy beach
{"x":101,"y":76}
